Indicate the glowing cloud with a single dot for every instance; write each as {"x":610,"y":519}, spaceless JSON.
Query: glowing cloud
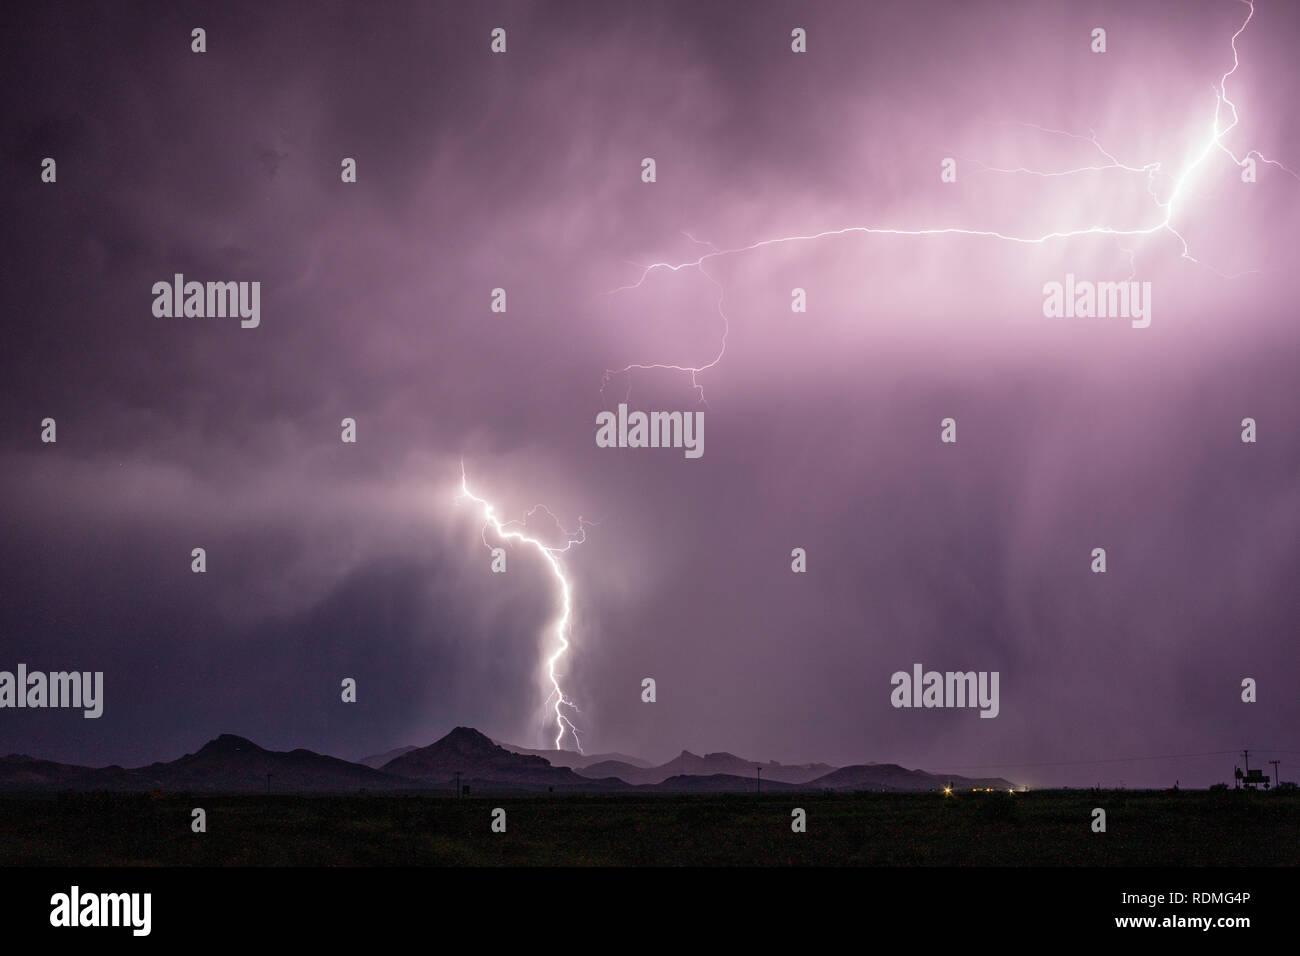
{"x":1166,"y":209}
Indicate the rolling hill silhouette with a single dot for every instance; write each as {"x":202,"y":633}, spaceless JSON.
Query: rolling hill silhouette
{"x":689,"y":764}
{"x":375,"y":761}
{"x":574,"y":760}
{"x":890,"y":776}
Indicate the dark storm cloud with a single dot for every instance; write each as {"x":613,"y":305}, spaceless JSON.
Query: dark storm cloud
{"x":328,"y":560}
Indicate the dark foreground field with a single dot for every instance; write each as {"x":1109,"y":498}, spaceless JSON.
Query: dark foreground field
{"x":1144,"y":828}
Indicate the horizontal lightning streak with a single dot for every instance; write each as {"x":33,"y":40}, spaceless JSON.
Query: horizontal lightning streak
{"x":1151,"y":170}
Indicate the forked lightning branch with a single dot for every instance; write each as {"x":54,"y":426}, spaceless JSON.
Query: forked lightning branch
{"x":559,"y":630}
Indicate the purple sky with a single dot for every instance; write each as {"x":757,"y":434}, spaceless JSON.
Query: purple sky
{"x":475,"y":171}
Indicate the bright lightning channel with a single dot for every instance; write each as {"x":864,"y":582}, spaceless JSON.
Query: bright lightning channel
{"x":513,"y":530}
{"x":1151,"y":170}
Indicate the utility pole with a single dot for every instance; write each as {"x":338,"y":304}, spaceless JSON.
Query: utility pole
{"x":1245,"y":756}
{"x":760,"y":779}
{"x":1275,"y":776}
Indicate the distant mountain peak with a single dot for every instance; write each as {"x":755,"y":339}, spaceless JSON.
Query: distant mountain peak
{"x":375,"y":761}
{"x":467,"y":740}
{"x":229,"y":744}
{"x":473,"y":754}
{"x":469,"y":733}
{"x":574,"y":759}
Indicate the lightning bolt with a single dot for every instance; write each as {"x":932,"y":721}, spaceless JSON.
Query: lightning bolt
{"x":514,"y":531}
{"x":1167,"y":209}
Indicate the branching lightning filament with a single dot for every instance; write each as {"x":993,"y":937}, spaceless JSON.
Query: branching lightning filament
{"x":1222,"y":120}
{"x":514,"y":531}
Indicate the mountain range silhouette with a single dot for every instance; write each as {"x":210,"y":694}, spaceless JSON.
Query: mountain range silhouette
{"x":233,"y":764}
